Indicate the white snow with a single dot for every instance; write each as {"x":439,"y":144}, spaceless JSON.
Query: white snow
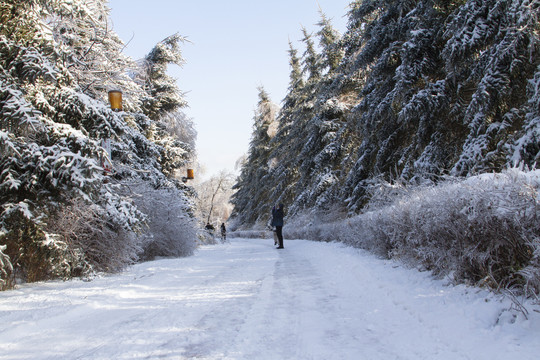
{"x":247,"y":300}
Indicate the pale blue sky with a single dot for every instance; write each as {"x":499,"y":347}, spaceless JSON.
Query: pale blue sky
{"x":236,"y":47}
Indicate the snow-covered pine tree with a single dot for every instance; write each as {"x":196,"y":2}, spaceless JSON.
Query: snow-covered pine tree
{"x":492,"y":54}
{"x":526,"y":146}
{"x":168,"y":143}
{"x":90,"y":50}
{"x":320,"y":157}
{"x":296,"y":113}
{"x":312,"y":114}
{"x":251,"y":200}
{"x":296,"y":81}
{"x":52,"y":122}
{"x":395,"y":52}
{"x":329,"y":39}
{"x":283,"y":171}
{"x":312,"y":60}
{"x":425,"y":88}
{"x":163,"y":103}
{"x":446,"y":90}
{"x":42,"y":164}
{"x":163,"y":93}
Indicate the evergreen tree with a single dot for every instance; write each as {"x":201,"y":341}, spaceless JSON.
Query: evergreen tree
{"x":329,"y":40}
{"x":438,"y":97}
{"x":311,"y":59}
{"x":163,"y":93}
{"x":295,"y":78}
{"x":424,"y":89}
{"x":253,"y":184}
{"x":87,"y":47}
{"x":491,"y":56}
{"x":61,"y":215}
{"x":315,"y":113}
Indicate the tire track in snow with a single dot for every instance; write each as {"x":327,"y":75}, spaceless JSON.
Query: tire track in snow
{"x":298,"y":316}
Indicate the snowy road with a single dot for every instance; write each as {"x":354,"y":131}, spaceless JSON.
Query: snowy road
{"x":246,"y":300}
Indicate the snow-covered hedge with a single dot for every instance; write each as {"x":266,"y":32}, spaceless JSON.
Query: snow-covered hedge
{"x":171,"y":227}
{"x":96,"y":243}
{"x":482,"y":230}
{"x":34,"y":254}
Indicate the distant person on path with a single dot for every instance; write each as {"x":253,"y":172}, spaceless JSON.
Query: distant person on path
{"x":277,"y":221}
{"x":223,"y":232}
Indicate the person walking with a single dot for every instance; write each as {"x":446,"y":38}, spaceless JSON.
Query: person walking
{"x":223,"y":232}
{"x":277,"y":221}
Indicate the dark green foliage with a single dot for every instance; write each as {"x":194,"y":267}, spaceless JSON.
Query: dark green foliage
{"x":413,"y":91}
{"x":256,"y":169}
{"x":34,"y":256}
{"x":163,"y":94}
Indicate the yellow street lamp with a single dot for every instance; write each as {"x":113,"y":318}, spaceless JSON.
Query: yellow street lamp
{"x":115,"y":98}
{"x":189,"y":176}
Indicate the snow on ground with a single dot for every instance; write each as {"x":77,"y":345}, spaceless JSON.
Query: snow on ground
{"x":247,"y":300}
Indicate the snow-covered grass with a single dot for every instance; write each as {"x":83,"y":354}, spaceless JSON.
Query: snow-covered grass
{"x":247,"y":300}
{"x":482,"y":230}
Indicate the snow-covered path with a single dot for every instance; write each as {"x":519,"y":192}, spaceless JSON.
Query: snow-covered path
{"x":246,"y":300}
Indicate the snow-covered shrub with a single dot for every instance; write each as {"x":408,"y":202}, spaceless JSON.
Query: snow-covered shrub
{"x":484,"y":229}
{"x":531,"y":273}
{"x":34,"y":254}
{"x":96,"y":242}
{"x":171,"y":227}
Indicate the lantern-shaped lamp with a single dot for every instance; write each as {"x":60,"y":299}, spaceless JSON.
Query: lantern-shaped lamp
{"x":115,"y":98}
{"x":190,"y":175}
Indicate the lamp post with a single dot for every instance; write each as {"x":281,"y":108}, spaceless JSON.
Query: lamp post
{"x":115,"y":99}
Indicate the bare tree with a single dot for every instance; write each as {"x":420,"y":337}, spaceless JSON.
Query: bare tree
{"x":214,"y":195}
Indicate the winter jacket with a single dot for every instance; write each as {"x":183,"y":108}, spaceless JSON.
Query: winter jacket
{"x":277,"y":217}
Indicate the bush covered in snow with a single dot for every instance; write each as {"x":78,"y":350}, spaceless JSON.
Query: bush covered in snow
{"x":170,"y":228}
{"x":207,"y":237}
{"x":95,"y":242}
{"x":482,"y":230}
{"x":36,"y":254}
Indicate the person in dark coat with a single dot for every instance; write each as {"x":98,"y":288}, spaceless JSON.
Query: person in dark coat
{"x":223,"y":232}
{"x":277,"y":221}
